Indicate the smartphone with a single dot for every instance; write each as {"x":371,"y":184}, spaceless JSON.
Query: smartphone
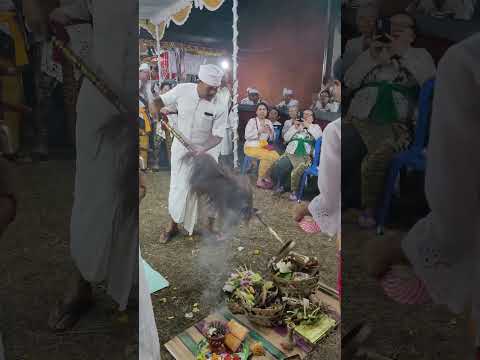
{"x":383,"y":29}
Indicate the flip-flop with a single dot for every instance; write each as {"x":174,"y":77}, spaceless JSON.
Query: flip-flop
{"x":68,"y":315}
{"x":309,"y":226}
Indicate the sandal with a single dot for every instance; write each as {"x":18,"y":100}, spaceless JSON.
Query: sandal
{"x":264,"y":184}
{"x":309,"y":225}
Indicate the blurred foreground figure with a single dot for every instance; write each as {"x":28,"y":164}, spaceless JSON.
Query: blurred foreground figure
{"x":8,"y":203}
{"x":104,"y":233}
{"x":444,"y":247}
{"x":149,"y":345}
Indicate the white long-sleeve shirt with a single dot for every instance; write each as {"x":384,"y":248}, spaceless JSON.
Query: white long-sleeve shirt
{"x":314,"y":130}
{"x":326,"y":207}
{"x":286,"y":126}
{"x":252,"y":132}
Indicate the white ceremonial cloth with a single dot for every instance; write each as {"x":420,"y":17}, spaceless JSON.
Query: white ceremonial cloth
{"x":444,"y":247}
{"x":197,"y":120}
{"x":326,"y":207}
{"x":149,"y":345}
{"x":104,"y":244}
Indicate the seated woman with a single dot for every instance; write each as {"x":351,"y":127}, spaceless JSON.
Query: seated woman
{"x":258,"y":132}
{"x":293,"y":115}
{"x":385,"y":81}
{"x":300,"y":139}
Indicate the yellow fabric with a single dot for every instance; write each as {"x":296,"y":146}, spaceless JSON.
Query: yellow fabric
{"x":12,"y":91}
{"x":143,"y":142}
{"x":21,"y":57}
{"x":266,"y":157}
{"x":181,"y":17}
{"x":143,"y":114}
{"x":213,"y":5}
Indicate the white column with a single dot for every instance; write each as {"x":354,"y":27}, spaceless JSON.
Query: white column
{"x":235,"y":80}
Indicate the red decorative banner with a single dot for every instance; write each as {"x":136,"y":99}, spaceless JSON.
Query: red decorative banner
{"x":164,"y":71}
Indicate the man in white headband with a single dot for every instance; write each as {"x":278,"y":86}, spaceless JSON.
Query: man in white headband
{"x":253,"y":97}
{"x":288,"y":100}
{"x":203,"y":122}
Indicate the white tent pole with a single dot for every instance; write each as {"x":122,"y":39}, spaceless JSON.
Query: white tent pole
{"x":157,"y":33}
{"x":235,"y":81}
{"x":326,"y":52}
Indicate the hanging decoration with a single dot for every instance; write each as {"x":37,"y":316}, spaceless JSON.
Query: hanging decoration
{"x":211,"y":5}
{"x":180,"y":12}
{"x":181,"y":16}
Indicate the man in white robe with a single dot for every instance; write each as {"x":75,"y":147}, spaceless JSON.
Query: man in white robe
{"x":288,"y":100}
{"x":253,"y":97}
{"x":104,"y":238}
{"x":202,"y":121}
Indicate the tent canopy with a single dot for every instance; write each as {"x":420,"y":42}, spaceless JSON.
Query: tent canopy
{"x":211,"y":29}
{"x":158,"y":11}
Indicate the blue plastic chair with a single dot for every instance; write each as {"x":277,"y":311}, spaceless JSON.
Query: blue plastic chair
{"x":414,"y":157}
{"x":312,"y":170}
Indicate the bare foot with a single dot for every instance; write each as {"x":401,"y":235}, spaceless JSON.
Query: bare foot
{"x":169,"y":234}
{"x":384,"y":252}
{"x":78,"y":301}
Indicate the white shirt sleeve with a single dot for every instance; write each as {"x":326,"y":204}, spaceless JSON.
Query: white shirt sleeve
{"x":286,"y":126}
{"x":420,"y":63}
{"x":171,"y":97}
{"x":355,"y":74}
{"x":289,"y":133}
{"x":220,"y":123}
{"x":251,"y":132}
{"x":315,"y":130}
{"x":270,"y":125}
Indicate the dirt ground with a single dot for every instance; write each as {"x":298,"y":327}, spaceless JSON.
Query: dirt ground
{"x":402,"y":332}
{"x":190,"y":282}
{"x":34,"y":266}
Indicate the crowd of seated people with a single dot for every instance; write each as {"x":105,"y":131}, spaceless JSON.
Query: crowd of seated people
{"x":382,"y":86}
{"x":281,"y":167}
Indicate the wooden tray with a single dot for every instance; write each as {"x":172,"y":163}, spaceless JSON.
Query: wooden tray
{"x":184,"y":345}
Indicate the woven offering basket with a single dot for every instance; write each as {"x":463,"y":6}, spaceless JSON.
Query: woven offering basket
{"x":268,"y":317}
{"x":235,"y":307}
{"x":297,"y":287}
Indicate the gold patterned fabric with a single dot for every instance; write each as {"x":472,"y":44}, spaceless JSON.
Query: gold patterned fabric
{"x":181,"y":17}
{"x":213,"y":5}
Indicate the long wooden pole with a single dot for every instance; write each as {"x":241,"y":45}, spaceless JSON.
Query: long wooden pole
{"x":106,"y":90}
